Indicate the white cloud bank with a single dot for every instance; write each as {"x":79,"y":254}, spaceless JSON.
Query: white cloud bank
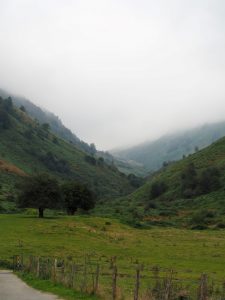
{"x":117,"y":72}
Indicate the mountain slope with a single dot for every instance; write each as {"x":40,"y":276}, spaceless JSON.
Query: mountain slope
{"x":26,"y":147}
{"x":44,"y":116}
{"x":60,"y":130}
{"x":172,"y":147}
{"x":190,"y":192}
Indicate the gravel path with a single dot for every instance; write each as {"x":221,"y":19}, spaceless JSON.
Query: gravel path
{"x":13,"y":288}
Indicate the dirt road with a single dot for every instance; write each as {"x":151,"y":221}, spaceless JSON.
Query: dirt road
{"x":13,"y":288}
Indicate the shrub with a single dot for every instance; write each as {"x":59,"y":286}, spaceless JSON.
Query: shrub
{"x":193,"y":184}
{"x":220,"y":225}
{"x":189,"y":181}
{"x":90,"y":159}
{"x":54,"y":163}
{"x":157,"y":189}
{"x":202,"y":218}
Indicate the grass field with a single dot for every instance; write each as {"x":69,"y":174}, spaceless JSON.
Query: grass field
{"x":57,"y":289}
{"x":186,"y":251}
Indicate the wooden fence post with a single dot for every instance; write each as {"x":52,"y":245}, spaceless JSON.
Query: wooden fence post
{"x":84,"y":281}
{"x":168,"y":286}
{"x":54,"y":271}
{"x":137,"y":283}
{"x":38,"y":267}
{"x":203,"y":289}
{"x":74,"y":270}
{"x":96,"y":278}
{"x":114,"y":282}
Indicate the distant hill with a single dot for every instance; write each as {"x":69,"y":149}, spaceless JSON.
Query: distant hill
{"x":28,"y":147}
{"x":172,"y":147}
{"x":187,"y":193}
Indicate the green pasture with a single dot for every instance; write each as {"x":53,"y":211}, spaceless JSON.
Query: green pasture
{"x":186,"y":251}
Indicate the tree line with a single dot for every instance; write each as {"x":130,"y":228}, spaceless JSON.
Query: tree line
{"x":42,"y":192}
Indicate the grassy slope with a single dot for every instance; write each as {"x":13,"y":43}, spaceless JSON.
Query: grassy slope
{"x":60,"y":130}
{"x":18,"y":150}
{"x":171,"y":205}
{"x":188,"y":252}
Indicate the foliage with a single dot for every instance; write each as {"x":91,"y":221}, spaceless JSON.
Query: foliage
{"x":5,"y":108}
{"x":46,"y":117}
{"x":40,"y":191}
{"x":209,"y":180}
{"x":29,"y":149}
{"x":201,"y":219}
{"x":157,"y":189}
{"x":54,"y":163}
{"x":193,"y":184}
{"x":4,"y":119}
{"x":189,"y":181}
{"x":76,"y":196}
{"x":90,"y":159}
{"x":135,"y":181}
{"x":46,"y":126}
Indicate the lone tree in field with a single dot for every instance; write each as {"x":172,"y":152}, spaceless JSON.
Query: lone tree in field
{"x":76,"y":196}
{"x":40,"y":192}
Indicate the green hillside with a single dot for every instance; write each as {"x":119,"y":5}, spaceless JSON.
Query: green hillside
{"x":57,"y":127}
{"x":173,"y":147}
{"x":27,"y":147}
{"x":189,"y":193}
{"x":44,"y":116}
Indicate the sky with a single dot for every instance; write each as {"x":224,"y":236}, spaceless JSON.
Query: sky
{"x":117,"y":72}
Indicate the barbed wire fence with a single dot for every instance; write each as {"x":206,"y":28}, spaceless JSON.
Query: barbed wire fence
{"x":102,"y":276}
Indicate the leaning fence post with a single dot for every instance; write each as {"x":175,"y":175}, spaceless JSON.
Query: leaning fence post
{"x":203,"y":289}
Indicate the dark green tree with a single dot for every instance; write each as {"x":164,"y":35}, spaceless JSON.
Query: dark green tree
{"x":209,"y":180}
{"x":157,"y":189}
{"x":189,"y":181}
{"x":41,"y":192}
{"x":76,"y":195}
{"x":5,"y":122}
{"x":45,"y":126}
{"x":8,"y":104}
{"x":93,"y":149}
{"x":22,"y":108}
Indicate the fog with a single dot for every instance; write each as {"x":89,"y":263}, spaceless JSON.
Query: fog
{"x":117,"y":72}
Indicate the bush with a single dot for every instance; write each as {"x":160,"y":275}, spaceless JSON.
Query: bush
{"x":220,"y":225}
{"x":54,"y":163}
{"x":150,"y":205}
{"x":189,"y":181}
{"x":202,"y":218}
{"x":157,"y":189}
{"x":199,"y":227}
{"x":135,"y":181}
{"x":193,"y":184}
{"x":209,"y":180}
{"x":90,"y":159}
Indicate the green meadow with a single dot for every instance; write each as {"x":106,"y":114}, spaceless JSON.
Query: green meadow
{"x":188,"y":252}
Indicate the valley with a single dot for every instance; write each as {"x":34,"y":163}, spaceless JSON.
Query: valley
{"x":170,"y":221}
